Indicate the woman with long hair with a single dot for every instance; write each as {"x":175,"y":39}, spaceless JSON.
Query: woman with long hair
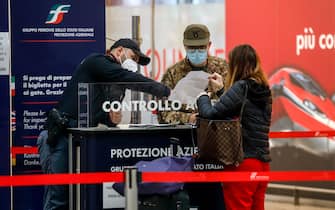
{"x":245,"y":74}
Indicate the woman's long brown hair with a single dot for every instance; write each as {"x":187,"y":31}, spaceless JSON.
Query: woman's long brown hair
{"x":244,"y":63}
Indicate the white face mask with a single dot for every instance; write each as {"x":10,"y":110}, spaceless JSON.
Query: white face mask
{"x":129,"y":64}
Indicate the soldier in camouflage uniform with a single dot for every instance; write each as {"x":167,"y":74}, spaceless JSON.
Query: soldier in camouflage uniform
{"x":197,"y":44}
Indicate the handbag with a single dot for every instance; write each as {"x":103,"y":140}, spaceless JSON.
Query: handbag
{"x":220,"y":141}
{"x":164,"y":164}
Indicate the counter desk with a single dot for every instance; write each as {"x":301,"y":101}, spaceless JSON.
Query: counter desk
{"x":110,"y":149}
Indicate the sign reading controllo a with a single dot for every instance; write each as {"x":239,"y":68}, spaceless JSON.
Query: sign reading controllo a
{"x":49,"y":39}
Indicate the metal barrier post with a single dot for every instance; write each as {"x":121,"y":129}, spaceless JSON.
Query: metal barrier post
{"x":131,"y":190}
{"x":296,"y":195}
{"x":135,"y":30}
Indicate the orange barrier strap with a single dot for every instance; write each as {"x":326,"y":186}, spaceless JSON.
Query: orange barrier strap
{"x":95,"y":178}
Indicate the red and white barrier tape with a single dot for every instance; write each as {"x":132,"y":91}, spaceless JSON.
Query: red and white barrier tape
{"x":302,"y":134}
{"x":100,"y":177}
{"x":23,"y":150}
{"x":58,"y":179}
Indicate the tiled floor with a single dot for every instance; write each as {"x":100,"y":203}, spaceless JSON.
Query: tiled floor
{"x":276,"y":202}
{"x":270,"y":205}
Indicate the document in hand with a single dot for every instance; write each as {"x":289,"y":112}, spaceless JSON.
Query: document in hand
{"x":188,"y":88}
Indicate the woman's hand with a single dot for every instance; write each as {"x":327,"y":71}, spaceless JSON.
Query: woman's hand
{"x":215,"y":82}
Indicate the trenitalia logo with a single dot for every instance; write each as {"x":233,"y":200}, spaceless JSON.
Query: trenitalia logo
{"x":56,"y":13}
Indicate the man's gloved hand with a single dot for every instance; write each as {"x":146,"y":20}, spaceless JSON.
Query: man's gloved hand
{"x":115,"y":117}
{"x":56,"y":124}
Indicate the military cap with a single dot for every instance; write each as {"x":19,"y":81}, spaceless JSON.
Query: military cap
{"x":196,"y":35}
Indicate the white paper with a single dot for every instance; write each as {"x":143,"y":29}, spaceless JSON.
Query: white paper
{"x":4,"y":53}
{"x":189,"y":87}
{"x":146,"y":116}
{"x":111,"y":198}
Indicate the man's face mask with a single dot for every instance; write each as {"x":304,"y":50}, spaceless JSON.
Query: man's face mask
{"x":196,"y":56}
{"x":128,"y":63}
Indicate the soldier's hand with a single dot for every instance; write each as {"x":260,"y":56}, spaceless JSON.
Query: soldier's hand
{"x":115,"y":117}
{"x":193,"y":118}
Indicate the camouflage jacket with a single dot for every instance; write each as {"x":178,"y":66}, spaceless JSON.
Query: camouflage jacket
{"x":180,"y":70}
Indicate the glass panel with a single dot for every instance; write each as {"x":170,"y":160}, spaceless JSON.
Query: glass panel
{"x":133,"y":100}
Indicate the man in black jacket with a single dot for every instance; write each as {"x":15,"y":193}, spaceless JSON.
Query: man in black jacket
{"x":118,"y":65}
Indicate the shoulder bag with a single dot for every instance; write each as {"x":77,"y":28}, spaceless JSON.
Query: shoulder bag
{"x":220,"y":141}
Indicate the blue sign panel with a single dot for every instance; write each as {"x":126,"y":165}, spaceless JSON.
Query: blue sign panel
{"x":49,"y":39}
{"x":4,"y":141}
{"x":4,"y":16}
{"x":4,"y":107}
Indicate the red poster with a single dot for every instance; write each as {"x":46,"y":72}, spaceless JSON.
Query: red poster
{"x":296,"y":43}
{"x":282,"y":31}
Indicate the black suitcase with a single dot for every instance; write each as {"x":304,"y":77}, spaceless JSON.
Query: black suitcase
{"x":176,"y":201}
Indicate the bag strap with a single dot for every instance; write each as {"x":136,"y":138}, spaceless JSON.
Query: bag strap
{"x":240,"y":118}
{"x":244,"y":101}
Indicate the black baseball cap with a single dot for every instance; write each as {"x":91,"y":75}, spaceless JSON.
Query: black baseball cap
{"x":130,"y":44}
